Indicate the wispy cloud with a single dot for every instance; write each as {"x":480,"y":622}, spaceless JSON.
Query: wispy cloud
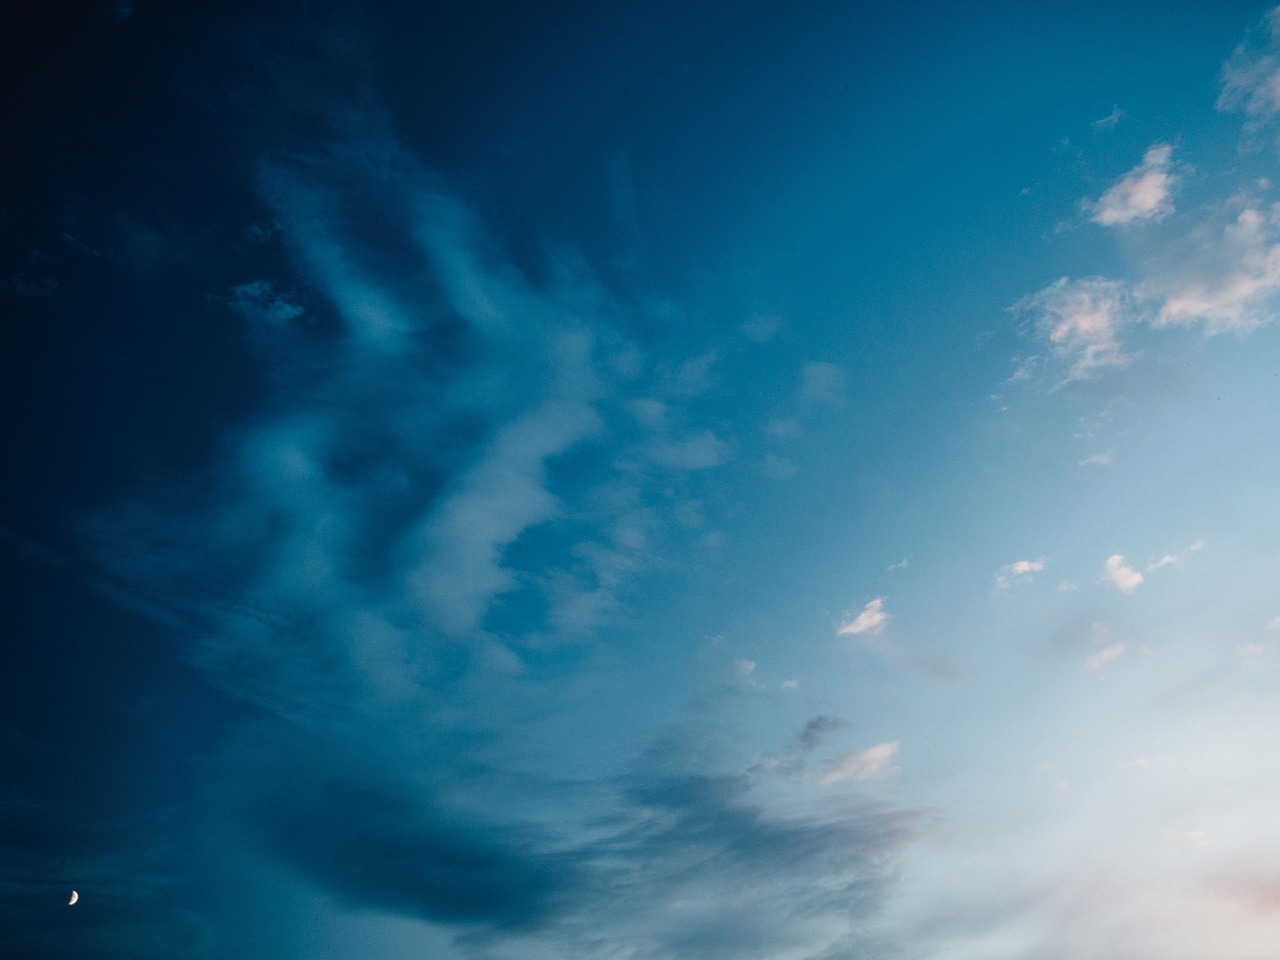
{"x":822,"y":385}
{"x":1110,"y":120}
{"x":871,"y":619}
{"x":1227,"y":281}
{"x":1251,"y":75}
{"x":1169,"y":559}
{"x":861,"y":765}
{"x":818,"y":730}
{"x":1082,"y":319}
{"x":1118,"y":572}
{"x":1020,"y":571}
{"x":1105,"y":655}
{"x":1144,"y":193}
{"x":389,"y":545}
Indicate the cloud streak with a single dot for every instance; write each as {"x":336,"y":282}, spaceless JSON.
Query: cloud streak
{"x":1021,"y":571}
{"x":871,"y":620}
{"x":387,"y":557}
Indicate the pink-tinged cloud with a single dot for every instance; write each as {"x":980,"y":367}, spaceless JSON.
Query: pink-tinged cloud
{"x":871,"y":620}
{"x":1142,"y":194}
{"x":1229,"y":285}
{"x":1082,"y":319}
{"x":861,"y":765}
{"x":1121,"y":574}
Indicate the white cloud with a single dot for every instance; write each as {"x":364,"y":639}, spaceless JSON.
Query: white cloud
{"x":1096,"y":459}
{"x":1121,"y":574}
{"x":1105,"y":656}
{"x":745,"y":671}
{"x":1169,"y":559}
{"x":1081,"y":320}
{"x":1227,"y":282}
{"x":1251,"y":76}
{"x":900,"y":565}
{"x":1273,"y":623}
{"x":1142,"y":194}
{"x":1018,"y":572}
{"x":861,"y":764}
{"x":871,"y":620}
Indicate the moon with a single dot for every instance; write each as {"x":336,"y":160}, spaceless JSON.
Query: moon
{"x":74,"y":897}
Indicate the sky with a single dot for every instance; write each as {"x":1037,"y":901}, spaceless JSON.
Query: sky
{"x":640,"y":481}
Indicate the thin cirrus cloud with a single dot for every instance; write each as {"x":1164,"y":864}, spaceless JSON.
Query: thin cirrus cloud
{"x":1106,"y":655}
{"x":375,"y":594}
{"x":871,"y":619}
{"x":1251,"y":75}
{"x":1144,"y":193}
{"x":1170,"y":559}
{"x":860,"y":765}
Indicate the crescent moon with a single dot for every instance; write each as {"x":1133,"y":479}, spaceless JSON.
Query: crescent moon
{"x":74,"y":897}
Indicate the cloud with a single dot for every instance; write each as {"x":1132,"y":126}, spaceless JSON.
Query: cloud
{"x":1142,"y":194}
{"x":746,"y":672}
{"x":1020,"y":571}
{"x":383,"y":550}
{"x":1105,"y":656}
{"x":259,"y":302}
{"x":860,"y":765}
{"x":495,"y":501}
{"x":1169,"y":559}
{"x":1096,"y":459}
{"x":702,"y":451}
{"x":1081,"y":319}
{"x":377,"y":842}
{"x":1251,"y":76}
{"x":1110,"y":120}
{"x":871,"y":620}
{"x":1227,"y":283}
{"x":696,"y":868}
{"x":822,"y":385}
{"x":1121,"y":574}
{"x":818,"y":730}
{"x":761,"y":328}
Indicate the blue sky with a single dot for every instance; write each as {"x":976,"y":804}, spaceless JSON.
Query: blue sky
{"x":609,"y":481}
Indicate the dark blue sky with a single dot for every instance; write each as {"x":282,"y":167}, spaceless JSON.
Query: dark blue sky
{"x":623,"y":480}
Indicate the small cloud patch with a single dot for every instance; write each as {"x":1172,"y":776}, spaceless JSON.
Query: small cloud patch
{"x":871,"y":620}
